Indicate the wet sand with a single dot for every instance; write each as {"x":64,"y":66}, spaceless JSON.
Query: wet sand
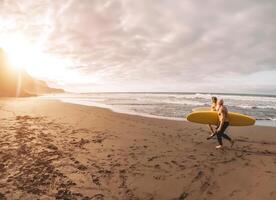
{"x":54,"y":150}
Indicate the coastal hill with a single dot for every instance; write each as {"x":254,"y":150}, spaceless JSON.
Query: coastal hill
{"x":18,"y":83}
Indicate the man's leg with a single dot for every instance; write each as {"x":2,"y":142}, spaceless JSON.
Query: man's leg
{"x":225,"y":135}
{"x":213,"y":132}
{"x":219,"y":137}
{"x":221,"y":134}
{"x":228,"y":138}
{"x":211,"y":128}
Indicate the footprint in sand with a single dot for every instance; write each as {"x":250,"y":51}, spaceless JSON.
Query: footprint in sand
{"x":2,"y":196}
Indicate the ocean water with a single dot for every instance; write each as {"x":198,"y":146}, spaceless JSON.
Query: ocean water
{"x":175,"y":105}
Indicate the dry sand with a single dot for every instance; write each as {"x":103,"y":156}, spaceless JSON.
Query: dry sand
{"x":54,"y":150}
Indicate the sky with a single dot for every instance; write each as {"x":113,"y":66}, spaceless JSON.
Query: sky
{"x":144,"y":45}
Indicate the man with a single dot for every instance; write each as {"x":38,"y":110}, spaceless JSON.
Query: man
{"x":214,"y":101}
{"x":223,"y":124}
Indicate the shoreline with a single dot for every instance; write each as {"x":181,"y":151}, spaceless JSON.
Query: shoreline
{"x":266,"y":123}
{"x":55,"y":150}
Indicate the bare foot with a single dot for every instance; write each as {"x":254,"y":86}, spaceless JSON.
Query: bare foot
{"x":219,"y":147}
{"x":212,"y":135}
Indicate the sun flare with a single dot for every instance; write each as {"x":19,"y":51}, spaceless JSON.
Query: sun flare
{"x":30,"y":57}
{"x":24,"y":55}
{"x":18,"y":55}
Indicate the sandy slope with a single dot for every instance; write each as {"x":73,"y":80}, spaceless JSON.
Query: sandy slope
{"x":53,"y":150}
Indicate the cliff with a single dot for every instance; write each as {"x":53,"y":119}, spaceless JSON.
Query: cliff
{"x":19,"y":83}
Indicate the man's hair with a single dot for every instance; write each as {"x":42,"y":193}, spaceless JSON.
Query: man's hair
{"x":221,"y":101}
{"x":214,"y":99}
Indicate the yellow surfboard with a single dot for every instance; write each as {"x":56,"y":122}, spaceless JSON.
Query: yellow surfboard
{"x":211,"y":117}
{"x":201,"y":109}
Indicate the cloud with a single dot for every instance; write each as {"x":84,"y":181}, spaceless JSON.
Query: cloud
{"x":154,"y":44}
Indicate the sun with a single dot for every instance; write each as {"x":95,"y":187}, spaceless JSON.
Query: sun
{"x":19,"y":56}
{"x":31,"y":57}
{"x":24,"y":55}
{"x":21,"y":53}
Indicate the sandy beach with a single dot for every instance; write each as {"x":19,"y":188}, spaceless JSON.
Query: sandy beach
{"x":55,"y":150}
